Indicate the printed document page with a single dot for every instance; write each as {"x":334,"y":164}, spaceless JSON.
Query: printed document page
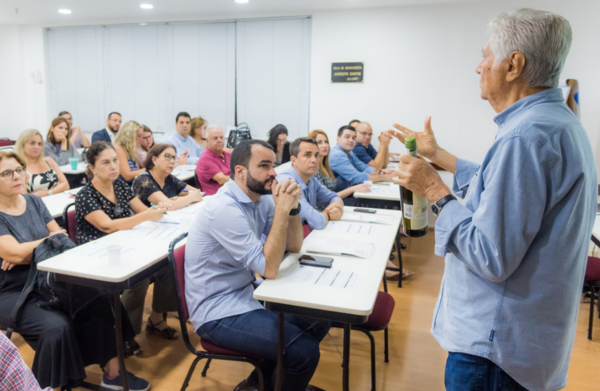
{"x":342,"y":279}
{"x":347,"y":227}
{"x":340,"y":247}
{"x":367,"y":218}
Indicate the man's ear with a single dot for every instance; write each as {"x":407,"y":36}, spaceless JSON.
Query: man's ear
{"x":240,"y":172}
{"x":293,"y":159}
{"x":515,"y":63}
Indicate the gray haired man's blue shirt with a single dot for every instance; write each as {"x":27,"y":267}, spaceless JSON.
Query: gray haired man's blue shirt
{"x":516,"y":250}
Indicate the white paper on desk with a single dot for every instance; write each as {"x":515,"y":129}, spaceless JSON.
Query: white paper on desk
{"x":386,"y":190}
{"x":340,"y":247}
{"x":189,"y":210}
{"x":367,"y":218}
{"x":347,"y":227}
{"x":154,"y":231}
{"x":341,"y":279}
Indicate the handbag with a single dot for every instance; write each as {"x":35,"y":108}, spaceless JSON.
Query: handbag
{"x":239,"y":134}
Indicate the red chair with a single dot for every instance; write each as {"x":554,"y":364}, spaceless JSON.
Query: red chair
{"x":177,"y":263}
{"x":592,"y":277}
{"x":69,"y":222}
{"x":4,"y":142}
{"x":306,"y":230}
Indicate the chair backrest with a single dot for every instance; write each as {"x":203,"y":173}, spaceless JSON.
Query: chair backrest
{"x":69,"y":221}
{"x":306,"y":230}
{"x":177,"y":264}
{"x":4,"y":142}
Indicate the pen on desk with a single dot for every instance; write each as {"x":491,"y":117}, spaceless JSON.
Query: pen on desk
{"x":156,"y":206}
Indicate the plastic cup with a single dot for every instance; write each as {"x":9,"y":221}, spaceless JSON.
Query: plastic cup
{"x":74,"y":162}
{"x":114,"y":254}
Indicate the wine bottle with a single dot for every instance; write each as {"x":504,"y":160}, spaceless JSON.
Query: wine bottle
{"x":415,"y":207}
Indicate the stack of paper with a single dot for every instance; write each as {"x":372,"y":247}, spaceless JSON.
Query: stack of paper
{"x":367,"y":218}
{"x":340,"y":247}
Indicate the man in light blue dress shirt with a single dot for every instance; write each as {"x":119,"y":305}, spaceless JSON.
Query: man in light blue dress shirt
{"x":516,"y":249}
{"x":304,"y":157}
{"x":188,"y":150}
{"x":224,"y":251}
{"x":347,"y":168}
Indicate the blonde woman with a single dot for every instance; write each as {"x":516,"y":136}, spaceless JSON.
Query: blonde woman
{"x":57,"y":145}
{"x":45,"y":177}
{"x":127,"y":146}
{"x":325,"y":175}
{"x":198,"y":131}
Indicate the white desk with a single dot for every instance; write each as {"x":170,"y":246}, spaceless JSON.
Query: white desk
{"x":76,"y":266}
{"x":351,"y":305}
{"x":56,"y":203}
{"x":67,"y":170}
{"x":185,"y":172}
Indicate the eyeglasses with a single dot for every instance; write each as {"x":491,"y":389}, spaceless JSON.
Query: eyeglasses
{"x":366,"y":134}
{"x":170,"y":157}
{"x":10,"y":174}
{"x":145,"y":138}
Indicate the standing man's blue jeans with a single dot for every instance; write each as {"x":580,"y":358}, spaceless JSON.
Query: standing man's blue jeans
{"x":465,"y":372}
{"x":256,"y":333}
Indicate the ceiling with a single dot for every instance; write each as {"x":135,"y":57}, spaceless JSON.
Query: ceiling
{"x":45,"y":12}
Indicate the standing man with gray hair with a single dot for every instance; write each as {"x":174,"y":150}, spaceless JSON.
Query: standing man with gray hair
{"x":516,"y":249}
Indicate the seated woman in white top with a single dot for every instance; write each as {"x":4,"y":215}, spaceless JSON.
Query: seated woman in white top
{"x":45,"y":177}
{"x":157,"y":184}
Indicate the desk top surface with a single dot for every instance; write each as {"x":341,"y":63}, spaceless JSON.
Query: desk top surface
{"x":359,"y":296}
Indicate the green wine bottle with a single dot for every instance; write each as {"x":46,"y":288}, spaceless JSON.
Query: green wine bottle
{"x":415,"y":207}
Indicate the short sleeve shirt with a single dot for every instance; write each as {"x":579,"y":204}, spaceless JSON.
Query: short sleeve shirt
{"x":89,"y":200}
{"x":28,"y":227}
{"x":365,"y":154}
{"x":145,"y":185}
{"x":209,"y":165}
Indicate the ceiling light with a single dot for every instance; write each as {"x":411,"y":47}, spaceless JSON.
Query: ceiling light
{"x":64,"y":11}
{"x":146,"y":6}
{"x":142,"y":24}
{"x":241,"y":1}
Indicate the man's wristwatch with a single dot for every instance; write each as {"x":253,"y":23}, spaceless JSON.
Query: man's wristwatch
{"x":296,"y":211}
{"x":436,"y":207}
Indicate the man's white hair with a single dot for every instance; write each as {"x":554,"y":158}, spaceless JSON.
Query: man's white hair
{"x":544,"y":39}
{"x":211,"y":127}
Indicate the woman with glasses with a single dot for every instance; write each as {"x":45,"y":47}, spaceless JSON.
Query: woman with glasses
{"x":57,"y":145}
{"x":145,"y":142}
{"x":127,"y":143}
{"x":104,"y":206}
{"x":63,"y":346}
{"x":157,"y":184}
{"x":45,"y":177}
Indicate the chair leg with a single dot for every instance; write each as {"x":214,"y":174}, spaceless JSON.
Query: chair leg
{"x":373,"y":368}
{"x":591,"y":325}
{"x":384,"y":283}
{"x":385,"y":346}
{"x":186,"y":382}
{"x":206,"y":367}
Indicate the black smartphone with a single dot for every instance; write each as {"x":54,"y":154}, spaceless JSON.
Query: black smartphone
{"x":313,"y":260}
{"x":363,"y":210}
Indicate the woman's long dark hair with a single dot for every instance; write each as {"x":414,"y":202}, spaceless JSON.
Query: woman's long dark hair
{"x":274,"y":133}
{"x":92,"y":154}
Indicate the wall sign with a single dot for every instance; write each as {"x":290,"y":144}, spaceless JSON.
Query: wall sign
{"x":347,"y":72}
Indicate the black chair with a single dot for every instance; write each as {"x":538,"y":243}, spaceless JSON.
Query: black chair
{"x":177,"y":264}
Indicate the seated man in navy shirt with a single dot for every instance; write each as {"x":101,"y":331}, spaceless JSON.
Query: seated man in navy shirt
{"x":224,"y":251}
{"x":108,"y":134}
{"x":347,"y":168}
{"x":366,"y":153}
{"x":319,"y":204}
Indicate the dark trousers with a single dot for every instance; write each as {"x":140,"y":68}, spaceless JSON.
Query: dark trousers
{"x":64,"y":346}
{"x":256,"y":333}
{"x":465,"y":372}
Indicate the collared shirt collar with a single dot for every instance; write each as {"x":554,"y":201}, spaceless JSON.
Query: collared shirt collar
{"x":180,"y":137}
{"x":298,"y":178}
{"x":549,"y":95}
{"x":238,"y":194}
{"x":216,"y":154}
{"x":340,"y":148}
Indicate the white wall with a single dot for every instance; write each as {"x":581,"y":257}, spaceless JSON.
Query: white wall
{"x":419,"y":61}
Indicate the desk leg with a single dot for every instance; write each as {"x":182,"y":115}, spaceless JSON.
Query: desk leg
{"x":280,"y":348}
{"x":346,"y":357}
{"x":398,"y":247}
{"x":119,"y":335}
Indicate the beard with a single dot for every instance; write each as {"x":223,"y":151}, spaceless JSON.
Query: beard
{"x":257,"y":186}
